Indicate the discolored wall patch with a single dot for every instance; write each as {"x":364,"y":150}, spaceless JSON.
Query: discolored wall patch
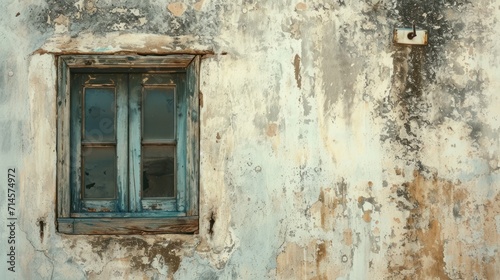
{"x":296,"y":66}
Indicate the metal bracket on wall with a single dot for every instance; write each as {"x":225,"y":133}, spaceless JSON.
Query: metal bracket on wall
{"x":410,"y":36}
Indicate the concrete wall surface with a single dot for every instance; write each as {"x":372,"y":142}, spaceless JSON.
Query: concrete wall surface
{"x":327,"y":151}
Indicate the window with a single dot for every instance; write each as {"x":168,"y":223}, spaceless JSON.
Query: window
{"x":128,"y":144}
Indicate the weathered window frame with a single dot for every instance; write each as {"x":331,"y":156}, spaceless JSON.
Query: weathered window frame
{"x":185,"y":221}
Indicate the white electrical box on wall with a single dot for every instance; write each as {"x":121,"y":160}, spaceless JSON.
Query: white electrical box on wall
{"x":410,"y":36}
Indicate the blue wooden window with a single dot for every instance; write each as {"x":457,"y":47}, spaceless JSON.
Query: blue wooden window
{"x":129,"y":129}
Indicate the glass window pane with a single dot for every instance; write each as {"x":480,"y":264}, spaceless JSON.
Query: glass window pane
{"x":99,"y":167}
{"x":99,"y":114}
{"x":159,"y":113}
{"x":158,"y":171}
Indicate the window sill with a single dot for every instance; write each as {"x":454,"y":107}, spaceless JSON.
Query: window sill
{"x":181,"y":225}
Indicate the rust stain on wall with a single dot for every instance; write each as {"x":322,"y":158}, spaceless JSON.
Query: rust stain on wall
{"x":367,"y":216}
{"x":492,"y":237}
{"x":425,"y":251}
{"x":432,"y":204}
{"x":312,"y":261}
{"x":347,"y":237}
{"x":320,"y":252}
{"x":325,"y":207}
{"x":492,"y":227}
{"x":272,"y":129}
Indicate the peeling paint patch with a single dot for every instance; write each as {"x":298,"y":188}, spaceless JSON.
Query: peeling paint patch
{"x":63,"y":20}
{"x":160,"y":256}
{"x":301,"y":6}
{"x":177,"y":8}
{"x":61,"y":24}
{"x":198,"y":5}
{"x":102,"y":17}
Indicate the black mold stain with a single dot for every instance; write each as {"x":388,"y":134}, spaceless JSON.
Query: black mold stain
{"x":406,"y":110}
{"x":430,"y":14}
{"x":405,"y":200}
{"x":345,"y":57}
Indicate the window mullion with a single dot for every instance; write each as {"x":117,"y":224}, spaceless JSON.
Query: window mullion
{"x":134,"y":158}
{"x":122,"y":142}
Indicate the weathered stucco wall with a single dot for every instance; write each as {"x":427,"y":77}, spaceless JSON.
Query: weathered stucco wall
{"x":327,"y":152}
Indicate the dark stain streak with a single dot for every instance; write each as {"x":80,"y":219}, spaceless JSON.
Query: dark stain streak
{"x":341,"y":193}
{"x":41,"y":223}
{"x":406,"y":109}
{"x":321,"y":254}
{"x":211,"y":226}
{"x":456,"y":210}
{"x":296,"y":65}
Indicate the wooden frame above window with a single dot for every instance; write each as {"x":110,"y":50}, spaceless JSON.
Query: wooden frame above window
{"x":128,"y":144}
